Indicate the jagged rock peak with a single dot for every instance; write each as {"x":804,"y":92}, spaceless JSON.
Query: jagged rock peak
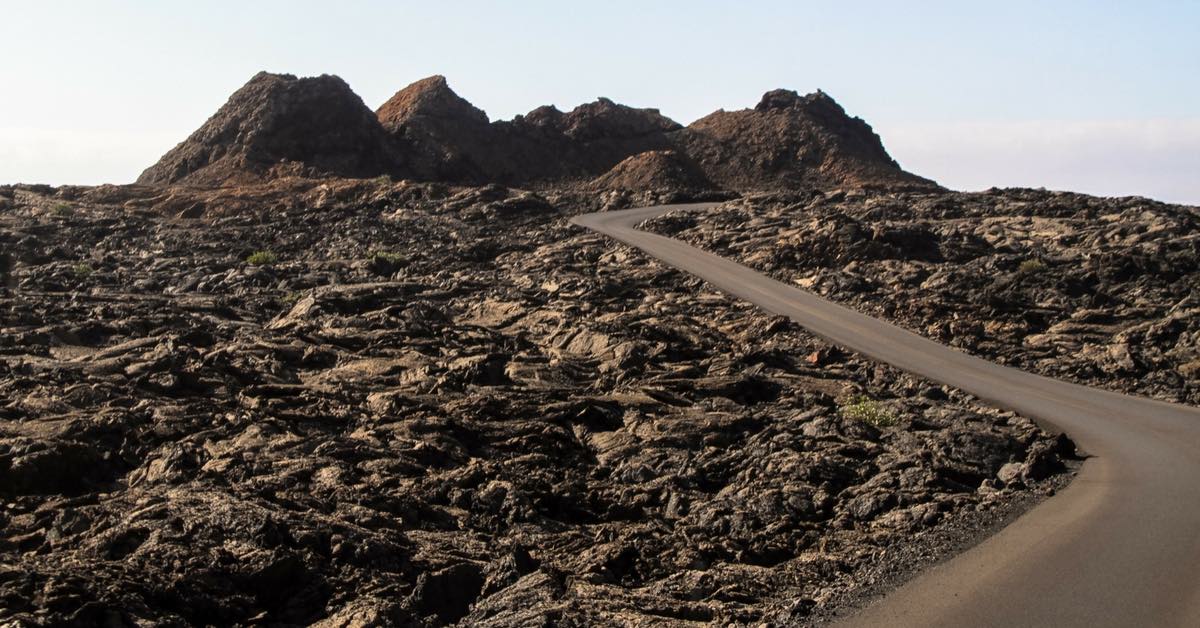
{"x":654,"y":170}
{"x":604,"y":118}
{"x":786,"y":98}
{"x":792,"y":141}
{"x":314,"y":125}
{"x":430,"y":97}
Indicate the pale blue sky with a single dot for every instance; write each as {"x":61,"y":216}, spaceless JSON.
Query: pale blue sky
{"x":1091,"y":96}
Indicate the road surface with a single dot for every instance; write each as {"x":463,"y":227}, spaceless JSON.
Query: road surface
{"x":1120,"y":546}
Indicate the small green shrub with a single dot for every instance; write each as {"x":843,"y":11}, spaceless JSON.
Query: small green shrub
{"x":262,"y":258}
{"x":1031,"y":266}
{"x":63,"y":209}
{"x":82,"y":271}
{"x":384,"y":263}
{"x":387,"y":257}
{"x":863,"y":408}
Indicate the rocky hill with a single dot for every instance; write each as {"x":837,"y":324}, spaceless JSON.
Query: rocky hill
{"x":448,"y":138}
{"x":451,"y":140}
{"x":279,"y":124}
{"x":792,"y":141}
{"x":654,"y":170}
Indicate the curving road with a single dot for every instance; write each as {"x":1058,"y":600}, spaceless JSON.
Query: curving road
{"x":1120,"y":546}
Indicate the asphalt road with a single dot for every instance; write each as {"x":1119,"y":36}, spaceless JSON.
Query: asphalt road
{"x":1120,"y":546}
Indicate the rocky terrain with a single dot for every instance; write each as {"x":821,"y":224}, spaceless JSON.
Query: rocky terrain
{"x":451,"y":140}
{"x":368,"y":402}
{"x":279,"y":125}
{"x":664,"y":170}
{"x":788,"y":141}
{"x":1101,"y":291}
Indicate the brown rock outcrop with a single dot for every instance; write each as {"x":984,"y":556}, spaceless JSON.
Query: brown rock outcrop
{"x":654,"y":170}
{"x":446,"y":137}
{"x":792,"y":141}
{"x":450,"y":140}
{"x":279,"y":124}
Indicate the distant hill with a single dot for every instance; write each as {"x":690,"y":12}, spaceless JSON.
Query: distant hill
{"x":282,"y":125}
{"x":277,"y":122}
{"x":791,"y":141}
{"x":654,"y":170}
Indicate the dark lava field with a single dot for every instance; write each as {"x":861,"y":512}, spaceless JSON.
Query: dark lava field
{"x":1100,"y":291}
{"x":354,"y":402}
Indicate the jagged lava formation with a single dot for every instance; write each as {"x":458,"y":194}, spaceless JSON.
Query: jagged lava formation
{"x":654,"y":170}
{"x":282,"y":125}
{"x":792,"y":141}
{"x":279,"y":124}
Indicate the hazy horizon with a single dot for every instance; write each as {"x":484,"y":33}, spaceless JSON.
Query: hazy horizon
{"x":1069,"y":97}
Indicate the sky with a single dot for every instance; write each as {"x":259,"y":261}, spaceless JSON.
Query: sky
{"x":1099,"y":97}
